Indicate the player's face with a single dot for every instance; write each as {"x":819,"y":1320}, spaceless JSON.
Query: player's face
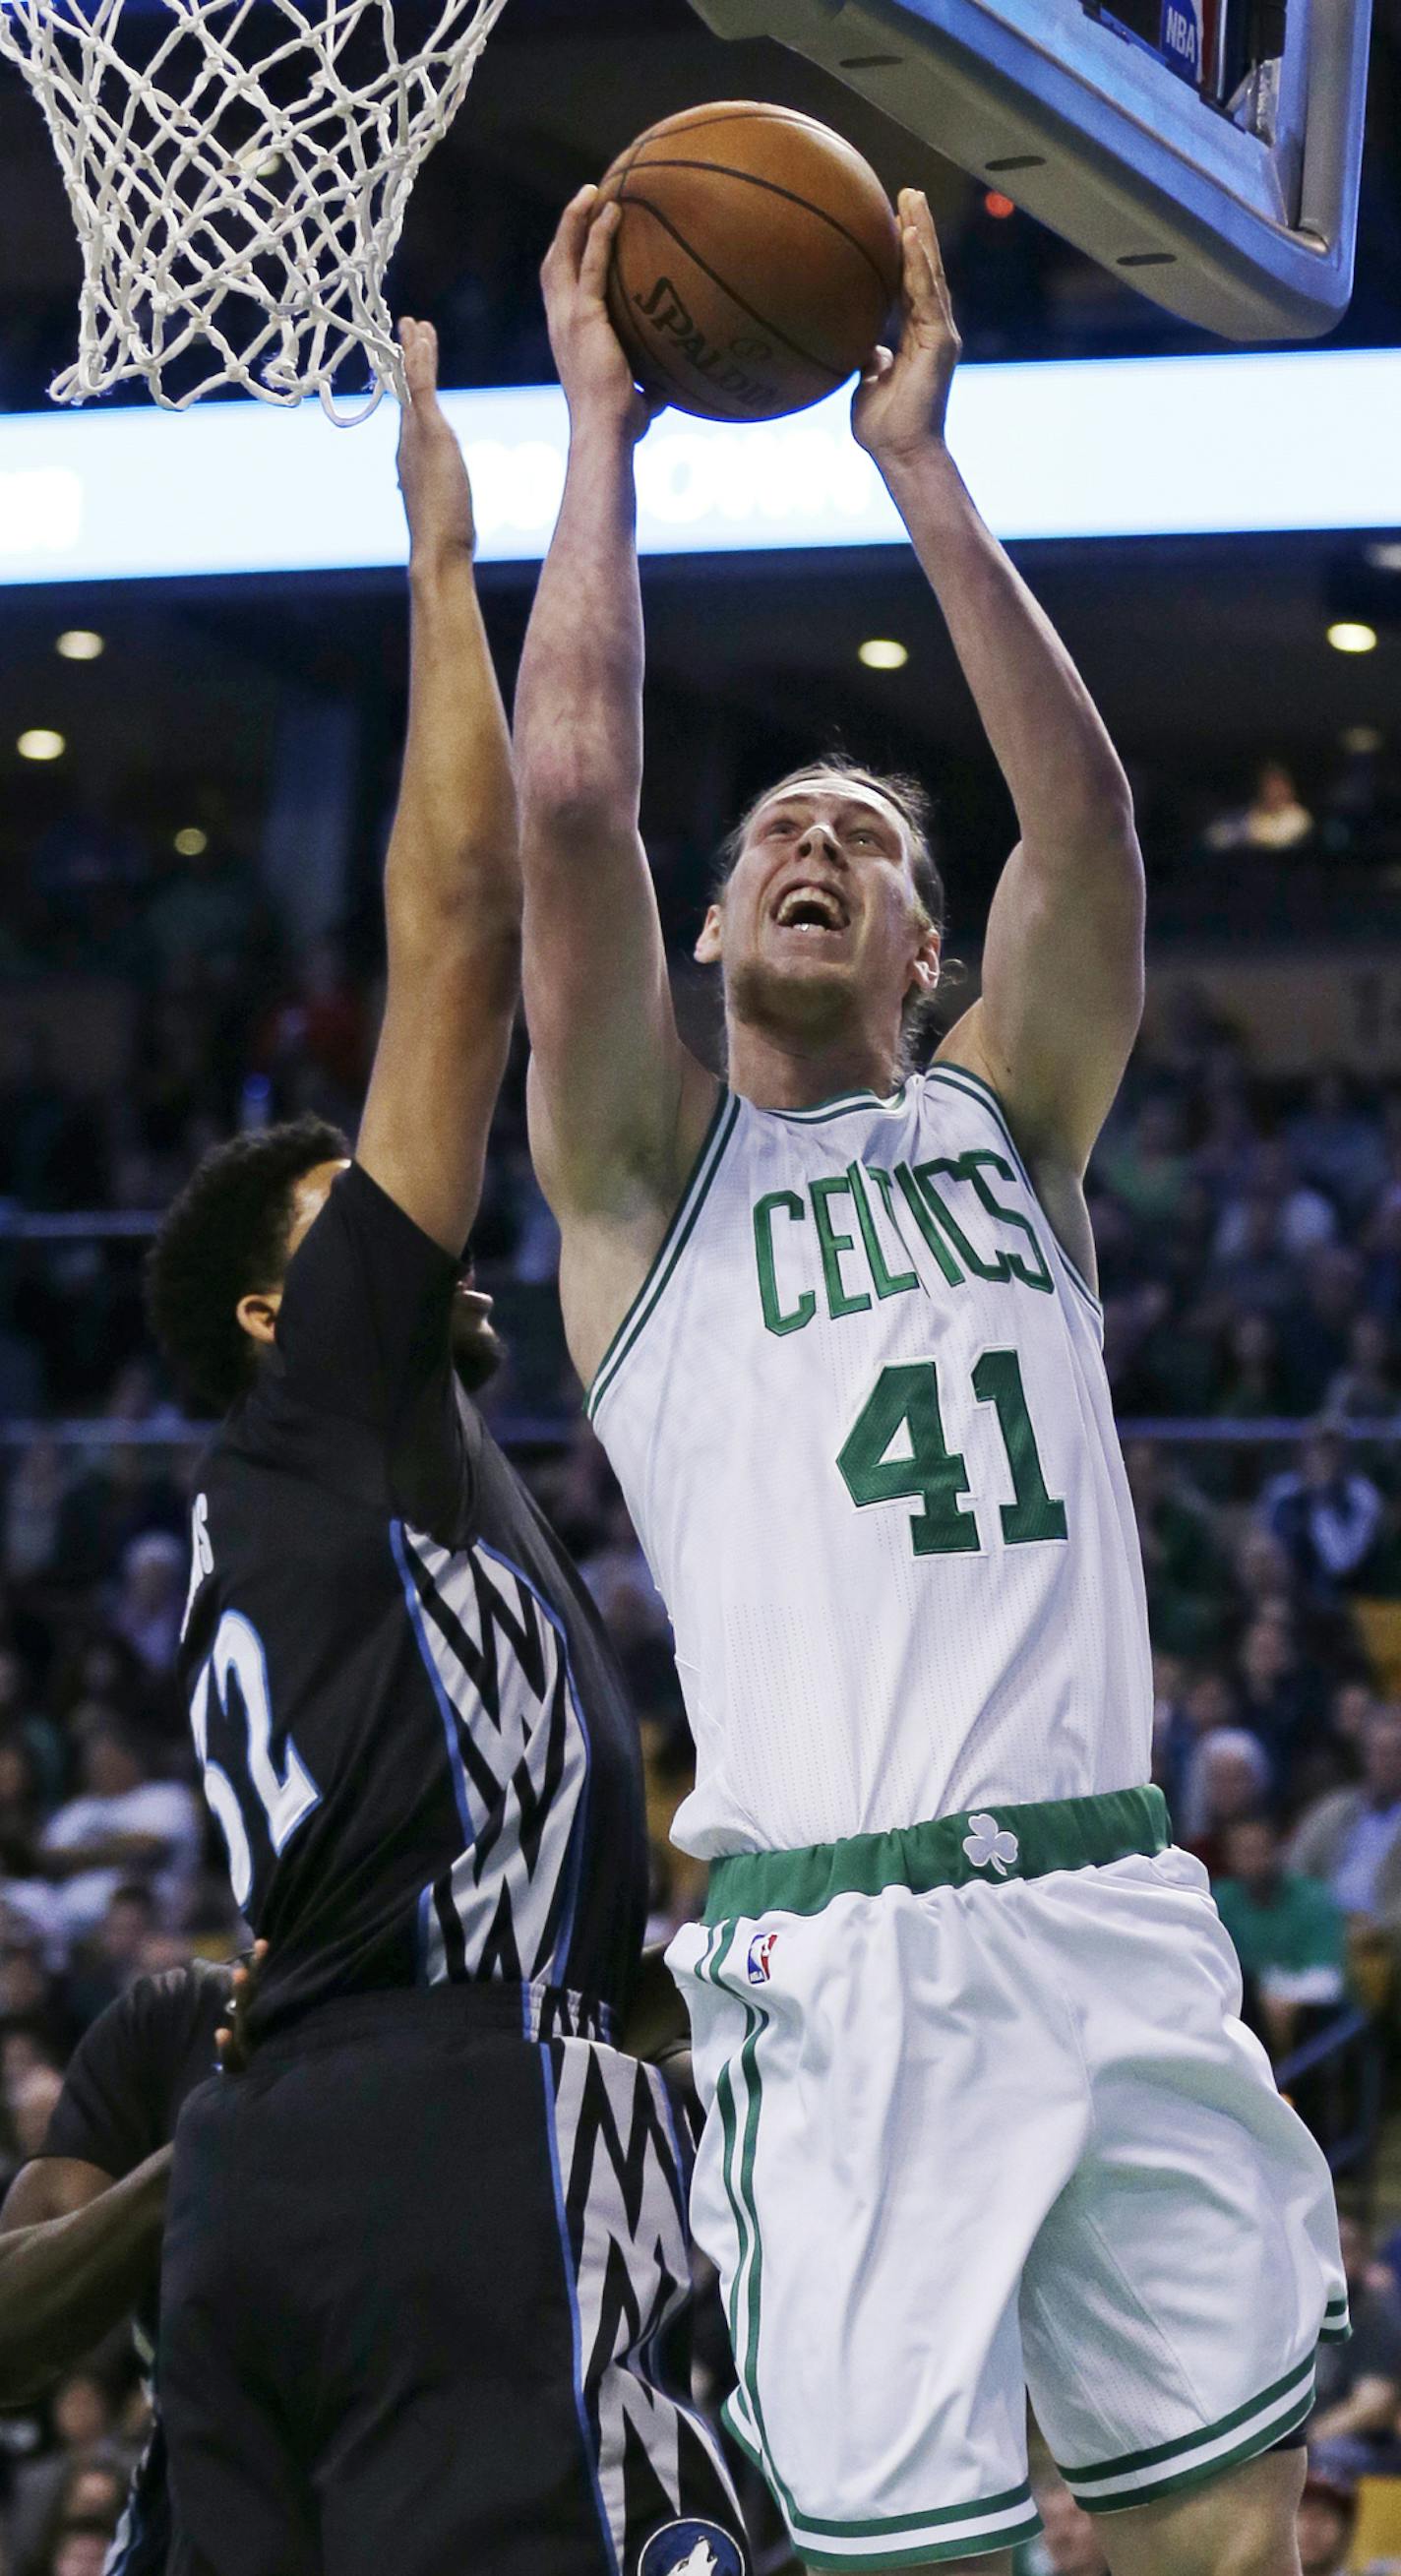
{"x":821,"y":919}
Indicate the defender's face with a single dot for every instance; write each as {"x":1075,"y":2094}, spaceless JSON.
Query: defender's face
{"x":476,"y":1347}
{"x":821,"y":905}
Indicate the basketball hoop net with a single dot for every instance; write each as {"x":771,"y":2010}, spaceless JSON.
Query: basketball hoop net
{"x":238,"y":172}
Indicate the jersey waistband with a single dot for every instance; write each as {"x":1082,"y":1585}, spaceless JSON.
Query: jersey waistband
{"x":485,"y":2007}
{"x":988,"y":1844}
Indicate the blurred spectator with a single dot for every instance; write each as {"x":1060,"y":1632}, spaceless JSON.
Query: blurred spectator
{"x":1201,"y":1702}
{"x":19,"y":1808}
{"x":81,"y":2548}
{"x":208,"y":921}
{"x":1327,"y":2514}
{"x":102,"y":1967}
{"x":1230,"y":1777}
{"x":1316,"y":1329}
{"x":151,"y":1603}
{"x":1253,"y":1387}
{"x":1275,"y":818}
{"x":1325,"y":1512}
{"x":1368,"y":1388}
{"x":30,"y":2101}
{"x":1149,"y":1171}
{"x":1352,"y":2430}
{"x":79,"y":2488}
{"x":1299,"y":1218}
{"x":1335,"y":1146}
{"x":123,"y":1824}
{"x":1276,"y":1692}
{"x":33,"y":1503}
{"x":1288,"y":1929}
{"x":321,"y":1024}
{"x":1187,"y":1581}
{"x":1351,"y":1839}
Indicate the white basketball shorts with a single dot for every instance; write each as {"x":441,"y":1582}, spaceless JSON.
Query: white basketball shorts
{"x":982,"y":2119}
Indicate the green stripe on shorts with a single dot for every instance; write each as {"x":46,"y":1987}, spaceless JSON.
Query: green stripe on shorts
{"x":986,"y":1845}
{"x":1111,"y":2485}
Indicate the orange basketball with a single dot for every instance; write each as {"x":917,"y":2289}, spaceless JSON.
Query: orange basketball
{"x":756,"y":261}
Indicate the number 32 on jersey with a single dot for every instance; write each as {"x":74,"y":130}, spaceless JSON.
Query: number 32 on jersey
{"x":905,"y":1401}
{"x":237,"y":1665}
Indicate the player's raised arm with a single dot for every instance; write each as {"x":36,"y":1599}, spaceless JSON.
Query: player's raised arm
{"x":614,"y":1093}
{"x":1063,"y":959}
{"x":452,"y":880}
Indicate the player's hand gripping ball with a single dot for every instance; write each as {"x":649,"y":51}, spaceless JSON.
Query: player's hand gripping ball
{"x":756,"y":257}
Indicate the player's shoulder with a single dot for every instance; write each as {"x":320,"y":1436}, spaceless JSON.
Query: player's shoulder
{"x":167,"y":2006}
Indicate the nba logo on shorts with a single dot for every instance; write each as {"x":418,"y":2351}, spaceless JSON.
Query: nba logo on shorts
{"x":692,"y":2549}
{"x":761,"y":1950}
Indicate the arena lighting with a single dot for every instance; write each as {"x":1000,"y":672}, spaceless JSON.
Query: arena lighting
{"x":40,"y":744}
{"x":882,"y":653}
{"x":1349,"y":635}
{"x":79,"y":644}
{"x":1072,"y":448}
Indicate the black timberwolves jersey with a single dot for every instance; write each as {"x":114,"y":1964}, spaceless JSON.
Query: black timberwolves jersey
{"x":412,"y":1730}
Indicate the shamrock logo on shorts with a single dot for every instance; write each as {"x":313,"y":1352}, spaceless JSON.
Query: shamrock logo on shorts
{"x":988,"y":1843}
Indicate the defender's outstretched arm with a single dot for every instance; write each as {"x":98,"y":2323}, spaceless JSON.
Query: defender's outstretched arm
{"x":610,"y":1079}
{"x":452,"y":890}
{"x":1063,"y":958}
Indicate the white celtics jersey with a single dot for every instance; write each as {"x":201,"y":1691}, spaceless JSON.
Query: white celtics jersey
{"x":860,"y":1416}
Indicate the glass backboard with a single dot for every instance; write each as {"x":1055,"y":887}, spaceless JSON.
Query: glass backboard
{"x":1207,"y":150}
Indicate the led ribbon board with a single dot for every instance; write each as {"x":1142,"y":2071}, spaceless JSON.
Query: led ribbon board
{"x":1129,"y":447}
{"x":1248,"y":232}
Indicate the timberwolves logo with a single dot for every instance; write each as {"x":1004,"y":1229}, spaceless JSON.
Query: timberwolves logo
{"x":692,"y":2549}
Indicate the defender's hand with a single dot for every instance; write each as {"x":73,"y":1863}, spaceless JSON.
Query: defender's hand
{"x":594,"y":368}
{"x":231,"y":2038}
{"x":902,"y":400}
{"x":432,"y":468}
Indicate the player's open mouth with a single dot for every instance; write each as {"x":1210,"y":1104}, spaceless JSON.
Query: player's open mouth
{"x":817,"y":909}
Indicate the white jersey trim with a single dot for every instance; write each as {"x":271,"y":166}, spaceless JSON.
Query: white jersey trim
{"x":670,"y":1249}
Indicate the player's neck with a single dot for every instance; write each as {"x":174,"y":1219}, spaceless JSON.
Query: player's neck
{"x":781,"y":1070}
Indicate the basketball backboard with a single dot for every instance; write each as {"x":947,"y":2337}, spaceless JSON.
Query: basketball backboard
{"x":1230,"y":200}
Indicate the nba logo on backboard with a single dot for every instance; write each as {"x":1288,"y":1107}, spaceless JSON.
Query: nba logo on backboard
{"x":1180,"y":41}
{"x":761,"y":1950}
{"x":692,"y":2549}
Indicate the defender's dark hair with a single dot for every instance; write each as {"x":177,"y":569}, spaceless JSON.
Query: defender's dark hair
{"x":912,"y":803}
{"x":223,"y":1237}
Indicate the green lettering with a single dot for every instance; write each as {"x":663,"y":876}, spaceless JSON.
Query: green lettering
{"x":997,"y":1380}
{"x":907,"y":1399}
{"x":833,"y":1245}
{"x":774,"y":1318}
{"x":885,"y":1285}
{"x":969,"y":1168}
{"x":924,"y":1219}
{"x":998,"y":1271}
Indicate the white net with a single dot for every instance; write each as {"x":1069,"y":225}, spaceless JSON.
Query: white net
{"x":238,"y":172}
